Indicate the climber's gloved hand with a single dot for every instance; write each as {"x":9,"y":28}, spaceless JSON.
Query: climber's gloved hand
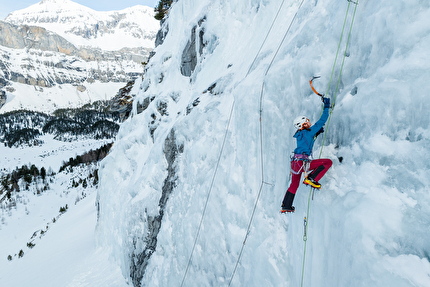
{"x":326,"y":102}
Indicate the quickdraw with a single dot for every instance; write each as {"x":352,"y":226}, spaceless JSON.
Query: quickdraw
{"x":305,"y":225}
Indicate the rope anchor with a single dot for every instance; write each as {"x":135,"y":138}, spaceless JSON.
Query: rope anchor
{"x":305,"y":224}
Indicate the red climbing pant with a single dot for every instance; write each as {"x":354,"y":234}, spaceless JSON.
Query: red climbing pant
{"x":317,"y":169}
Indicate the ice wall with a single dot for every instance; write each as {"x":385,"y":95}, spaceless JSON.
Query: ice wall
{"x":368,"y":226}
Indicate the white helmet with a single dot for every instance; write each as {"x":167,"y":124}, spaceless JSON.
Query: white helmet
{"x":299,"y":121}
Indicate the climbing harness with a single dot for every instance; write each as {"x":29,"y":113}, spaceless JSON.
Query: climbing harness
{"x":306,"y":220}
{"x":305,"y":167}
{"x":306,"y":161}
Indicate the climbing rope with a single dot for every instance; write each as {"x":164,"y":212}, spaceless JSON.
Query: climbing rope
{"x":263,"y":182}
{"x":306,"y":220}
{"x":267,"y":35}
{"x":209,"y":193}
{"x":219,"y":158}
{"x":340,"y":73}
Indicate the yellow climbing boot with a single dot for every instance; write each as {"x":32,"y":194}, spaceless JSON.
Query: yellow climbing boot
{"x":312,"y":182}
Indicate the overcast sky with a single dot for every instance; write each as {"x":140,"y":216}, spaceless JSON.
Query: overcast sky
{"x":7,"y":6}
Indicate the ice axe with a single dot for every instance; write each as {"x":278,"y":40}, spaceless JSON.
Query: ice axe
{"x":313,"y":89}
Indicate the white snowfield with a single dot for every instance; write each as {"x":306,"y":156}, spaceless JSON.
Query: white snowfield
{"x":367,"y":226}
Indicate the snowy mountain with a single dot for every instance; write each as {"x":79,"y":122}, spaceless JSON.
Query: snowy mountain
{"x":59,"y":54}
{"x":191,"y":190}
{"x":46,"y":80}
{"x":110,"y":31}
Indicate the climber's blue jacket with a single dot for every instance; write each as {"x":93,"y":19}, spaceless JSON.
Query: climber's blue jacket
{"x":305,"y":138}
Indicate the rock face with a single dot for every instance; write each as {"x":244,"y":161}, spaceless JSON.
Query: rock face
{"x":139,"y":261}
{"x":32,"y":37}
{"x":2,"y":98}
{"x":123,"y":101}
{"x":189,"y":55}
{"x":161,"y":34}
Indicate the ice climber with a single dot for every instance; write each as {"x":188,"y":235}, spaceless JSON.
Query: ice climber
{"x":302,"y":161}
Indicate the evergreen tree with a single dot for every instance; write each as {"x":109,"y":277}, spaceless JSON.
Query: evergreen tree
{"x":96,"y":177}
{"x":63,"y":208}
{"x":27,"y":178}
{"x":162,"y":9}
{"x":34,"y":171}
{"x":43,"y":173}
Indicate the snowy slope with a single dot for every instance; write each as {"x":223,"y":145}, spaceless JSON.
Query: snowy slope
{"x":82,"y":26}
{"x":64,"y":251}
{"x":368,"y":226}
{"x":50,"y":155}
{"x":61,"y":96}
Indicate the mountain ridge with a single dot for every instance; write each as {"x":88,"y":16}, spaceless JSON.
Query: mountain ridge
{"x":83,"y":26}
